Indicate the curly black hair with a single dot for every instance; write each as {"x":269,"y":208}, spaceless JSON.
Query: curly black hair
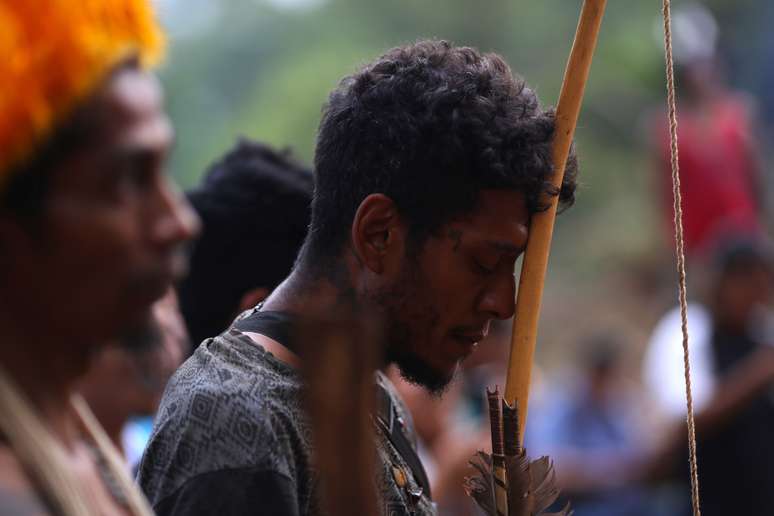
{"x":429,"y":125}
{"x":254,"y":207}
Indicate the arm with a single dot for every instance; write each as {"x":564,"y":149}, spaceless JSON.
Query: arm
{"x":744,"y":383}
{"x":233,"y":492}
{"x":732,"y":394}
{"x":584,"y":472}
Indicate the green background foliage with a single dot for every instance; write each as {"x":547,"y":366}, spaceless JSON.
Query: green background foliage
{"x":263,"y":70}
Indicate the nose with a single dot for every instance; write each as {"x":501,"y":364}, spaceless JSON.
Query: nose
{"x":499,"y":298}
{"x":176,"y":222}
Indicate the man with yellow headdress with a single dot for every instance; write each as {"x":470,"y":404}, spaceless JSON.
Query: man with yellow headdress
{"x":90,"y":236}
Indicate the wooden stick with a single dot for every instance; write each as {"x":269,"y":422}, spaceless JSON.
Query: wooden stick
{"x":339,"y":400}
{"x":541,"y":229}
{"x":498,"y":455}
{"x":511,"y":433}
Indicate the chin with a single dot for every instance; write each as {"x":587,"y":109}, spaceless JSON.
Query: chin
{"x":415,"y":370}
{"x":142,"y":335}
{"x":152,"y":290}
{"x":149,"y":285}
{"x":133,"y":316}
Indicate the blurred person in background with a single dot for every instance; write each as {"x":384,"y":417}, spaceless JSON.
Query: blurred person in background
{"x":720,"y":172}
{"x":429,"y":163}
{"x":446,"y":442}
{"x":590,"y":425}
{"x":254,"y":207}
{"x":452,"y":428}
{"x":90,"y":236}
{"x":732,"y":376}
{"x":732,"y":367}
{"x":126,"y":380}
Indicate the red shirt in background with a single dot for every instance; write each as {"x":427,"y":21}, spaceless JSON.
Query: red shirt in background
{"x":718,"y":174}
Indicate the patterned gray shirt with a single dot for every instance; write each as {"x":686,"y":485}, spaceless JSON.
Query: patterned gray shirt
{"x":231,"y":438}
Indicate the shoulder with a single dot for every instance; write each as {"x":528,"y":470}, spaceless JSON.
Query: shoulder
{"x":17,"y":494}
{"x":662,"y":364}
{"x":226,"y":381}
{"x":740,"y":104}
{"x":218,"y":414}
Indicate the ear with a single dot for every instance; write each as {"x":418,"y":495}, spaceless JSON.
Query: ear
{"x":377,"y":232}
{"x":252,"y":297}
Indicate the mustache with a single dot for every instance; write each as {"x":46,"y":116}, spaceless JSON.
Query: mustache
{"x":472,"y":329}
{"x":143,"y":337}
{"x":165,"y":271}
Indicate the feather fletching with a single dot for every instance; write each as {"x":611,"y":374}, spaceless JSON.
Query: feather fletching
{"x":531,"y":486}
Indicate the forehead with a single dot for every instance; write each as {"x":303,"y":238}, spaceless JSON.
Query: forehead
{"x":501,"y":218}
{"x":125,"y":117}
{"x":129,"y":110}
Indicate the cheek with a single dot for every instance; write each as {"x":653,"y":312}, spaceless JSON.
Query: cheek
{"x":93,"y":263}
{"x":441,"y":301}
{"x":454,"y":288}
{"x":96,"y":241}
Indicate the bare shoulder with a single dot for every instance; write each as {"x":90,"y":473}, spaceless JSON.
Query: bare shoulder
{"x":17,"y":494}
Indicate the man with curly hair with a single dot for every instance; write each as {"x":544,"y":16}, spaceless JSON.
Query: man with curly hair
{"x":429,"y":163}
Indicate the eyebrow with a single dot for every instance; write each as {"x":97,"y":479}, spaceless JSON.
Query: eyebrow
{"x":141,"y":148}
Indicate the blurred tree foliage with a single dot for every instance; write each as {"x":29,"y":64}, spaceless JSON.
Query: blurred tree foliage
{"x":263,"y":69}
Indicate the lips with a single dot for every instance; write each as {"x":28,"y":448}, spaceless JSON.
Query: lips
{"x":466,"y":344}
{"x":152,"y":283}
{"x":470,"y":339}
{"x":471,"y":334}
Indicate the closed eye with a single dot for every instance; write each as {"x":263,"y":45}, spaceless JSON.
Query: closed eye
{"x":133,"y":171}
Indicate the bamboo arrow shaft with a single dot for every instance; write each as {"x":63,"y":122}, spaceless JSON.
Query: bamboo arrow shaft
{"x":535,"y":262}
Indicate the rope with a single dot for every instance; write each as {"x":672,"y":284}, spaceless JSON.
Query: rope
{"x":680,"y":253}
{"x":45,"y":459}
{"x":41,"y":455}
{"x":135,"y":500}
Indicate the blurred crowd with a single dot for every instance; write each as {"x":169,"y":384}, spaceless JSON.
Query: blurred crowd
{"x":617,"y":439}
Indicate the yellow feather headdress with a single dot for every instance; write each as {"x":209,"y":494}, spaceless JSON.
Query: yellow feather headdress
{"x":53,"y":53}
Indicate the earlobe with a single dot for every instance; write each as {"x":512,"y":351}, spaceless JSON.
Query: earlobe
{"x":375,"y":231}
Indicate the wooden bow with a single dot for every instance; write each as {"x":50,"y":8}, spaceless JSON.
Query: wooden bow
{"x":541,"y":229}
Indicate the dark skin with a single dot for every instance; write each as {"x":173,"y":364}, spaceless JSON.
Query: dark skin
{"x":125,"y":381}
{"x":88,"y":268}
{"x":738,"y":293}
{"x":436,"y":304}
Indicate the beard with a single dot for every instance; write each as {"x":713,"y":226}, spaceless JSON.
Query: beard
{"x":418,"y":372}
{"x":142,"y":337}
{"x":409,"y":320}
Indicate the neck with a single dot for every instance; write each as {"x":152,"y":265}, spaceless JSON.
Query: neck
{"x":703,"y":99}
{"x":114,"y":430}
{"x":304,"y":293}
{"x":333,"y":298}
{"x":341,"y":332}
{"x":112,"y":416}
{"x":45,"y":369}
